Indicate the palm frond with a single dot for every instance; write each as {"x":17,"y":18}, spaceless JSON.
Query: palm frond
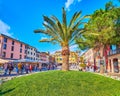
{"x":44,"y":40}
{"x":64,"y":18}
{"x":40,"y":31}
{"x":48,"y":40}
{"x":59,"y":31}
{"x":74,"y":18}
{"x":52,"y":26}
{"x":51,"y":31}
{"x":59,"y":25}
{"x":64,"y":21}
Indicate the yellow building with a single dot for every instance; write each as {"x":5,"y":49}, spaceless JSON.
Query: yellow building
{"x":73,"y":58}
{"x":58,"y":57}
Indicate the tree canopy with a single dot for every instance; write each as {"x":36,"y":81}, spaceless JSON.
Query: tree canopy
{"x":104,"y":24}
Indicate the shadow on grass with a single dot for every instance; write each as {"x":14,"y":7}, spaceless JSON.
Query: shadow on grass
{"x":7,"y":91}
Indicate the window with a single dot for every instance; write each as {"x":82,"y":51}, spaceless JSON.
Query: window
{"x":25,"y":51}
{"x":5,"y":39}
{"x":5,"y":46}
{"x":4,"y":54}
{"x":20,"y":50}
{"x":13,"y":42}
{"x":11,"y":55}
{"x":20,"y":45}
{"x":28,"y":52}
{"x":25,"y":47}
{"x":31,"y":53}
{"x":12,"y":48}
{"x":25,"y":57}
{"x":20,"y":56}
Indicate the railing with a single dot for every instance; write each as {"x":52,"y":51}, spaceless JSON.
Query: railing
{"x":114,"y":52}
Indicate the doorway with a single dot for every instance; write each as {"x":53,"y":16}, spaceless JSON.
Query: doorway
{"x":115,"y":65}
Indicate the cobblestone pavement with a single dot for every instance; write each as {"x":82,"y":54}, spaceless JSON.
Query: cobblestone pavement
{"x":115,"y":76}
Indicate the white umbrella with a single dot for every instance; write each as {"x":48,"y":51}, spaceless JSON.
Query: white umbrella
{"x":3,"y":61}
{"x":25,"y":60}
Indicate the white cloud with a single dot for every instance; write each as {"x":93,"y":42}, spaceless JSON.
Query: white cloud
{"x":73,"y":48}
{"x":44,"y":37}
{"x":4,"y":28}
{"x":69,"y":3}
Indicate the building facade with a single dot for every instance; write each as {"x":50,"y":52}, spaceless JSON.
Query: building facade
{"x":89,"y":57}
{"x":13,"y":49}
{"x":114,"y":61}
{"x":31,"y":53}
{"x":104,"y":57}
{"x":52,"y":59}
{"x":44,"y":57}
{"x":73,"y":57}
{"x":58,"y":57}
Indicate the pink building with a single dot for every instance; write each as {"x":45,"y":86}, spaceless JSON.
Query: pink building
{"x":11,"y":48}
{"x":44,"y":57}
{"x":89,"y":57}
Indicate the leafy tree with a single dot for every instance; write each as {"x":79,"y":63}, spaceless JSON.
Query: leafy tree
{"x":62,"y":32}
{"x":104,"y":24}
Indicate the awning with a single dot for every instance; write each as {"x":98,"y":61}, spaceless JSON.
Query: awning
{"x":3,"y":61}
{"x":25,"y":60}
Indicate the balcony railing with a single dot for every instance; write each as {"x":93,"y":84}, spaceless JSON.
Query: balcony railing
{"x":114,"y":52}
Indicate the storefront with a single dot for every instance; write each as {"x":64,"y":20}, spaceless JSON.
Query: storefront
{"x":114,"y":63}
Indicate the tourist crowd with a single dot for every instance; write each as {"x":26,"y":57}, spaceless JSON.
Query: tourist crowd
{"x":21,"y":68}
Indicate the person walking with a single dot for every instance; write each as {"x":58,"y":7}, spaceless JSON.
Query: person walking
{"x":19,"y":67}
{"x":22,"y":68}
{"x":5,"y":67}
{"x":30,"y":68}
{"x":10,"y":68}
{"x":26,"y":68}
{"x":16,"y":67}
{"x":40,"y":67}
{"x":48,"y":67}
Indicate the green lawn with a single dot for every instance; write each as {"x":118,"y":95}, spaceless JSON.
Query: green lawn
{"x":58,"y":83}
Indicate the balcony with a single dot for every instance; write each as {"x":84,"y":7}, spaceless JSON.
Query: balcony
{"x":114,"y":52}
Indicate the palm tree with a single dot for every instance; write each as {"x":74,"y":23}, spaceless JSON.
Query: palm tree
{"x":61,"y":33}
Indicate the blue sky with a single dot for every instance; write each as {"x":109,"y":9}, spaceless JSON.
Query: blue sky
{"x":18,"y":18}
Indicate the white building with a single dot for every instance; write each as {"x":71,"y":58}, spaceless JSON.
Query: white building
{"x":31,"y":53}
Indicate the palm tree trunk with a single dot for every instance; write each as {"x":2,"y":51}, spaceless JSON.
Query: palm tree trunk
{"x":65,"y":57}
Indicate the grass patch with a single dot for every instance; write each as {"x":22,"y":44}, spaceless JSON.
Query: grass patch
{"x":59,"y":83}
